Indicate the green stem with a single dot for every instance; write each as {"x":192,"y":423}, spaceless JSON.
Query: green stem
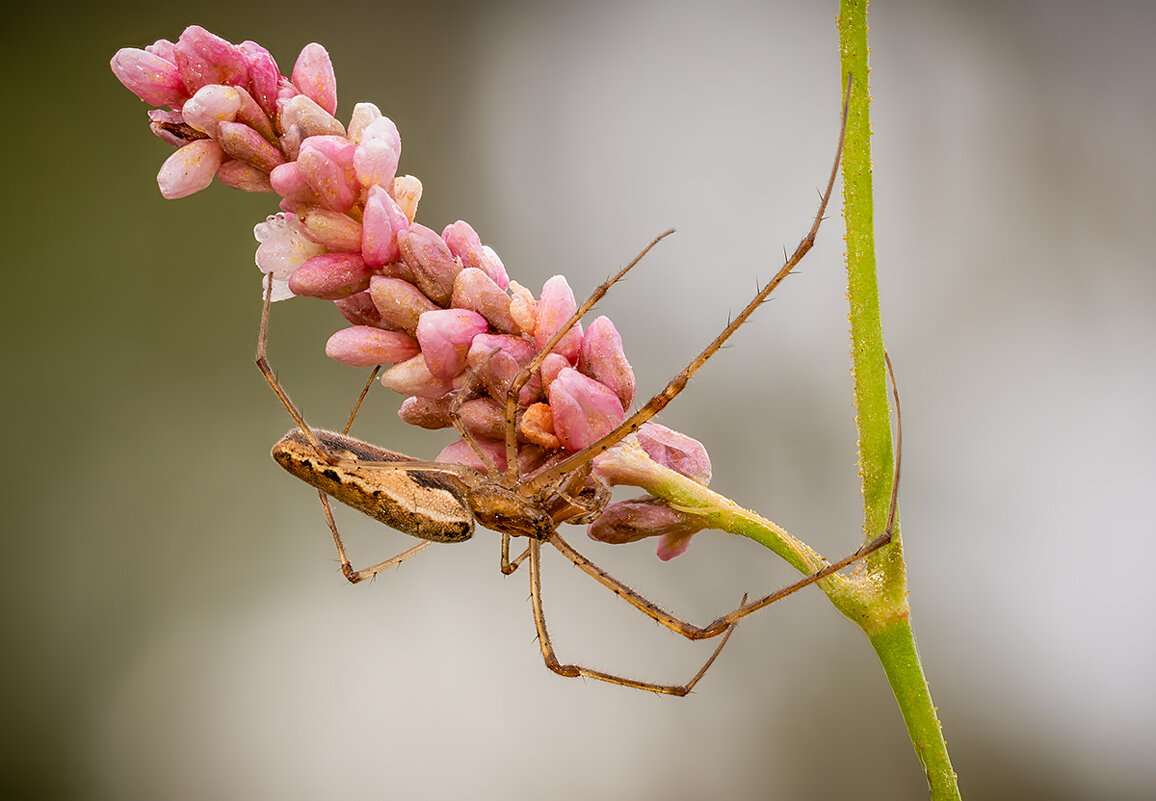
{"x":885,"y":615}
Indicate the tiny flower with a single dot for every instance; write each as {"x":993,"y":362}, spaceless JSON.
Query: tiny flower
{"x":330,"y":276}
{"x":460,"y":452}
{"x":245,"y":177}
{"x":264,"y":75}
{"x":326,"y":164}
{"x":363,"y":346}
{"x":153,"y":79}
{"x":399,"y":302}
{"x":407,"y":193}
{"x":445,"y":336}
{"x":484,"y":418}
{"x":288,"y":182}
{"x":475,"y":290}
{"x":584,"y":410}
{"x":428,"y":413}
{"x":333,"y":229}
{"x":412,"y":377}
{"x":603,"y":359}
{"x":556,"y":305}
{"x":639,"y":460}
{"x":189,"y":169}
{"x":305,"y":118}
{"x":170,"y":127}
{"x":358,"y":309}
{"x":434,"y":267}
{"x":493,"y":267}
{"x":673,"y":449}
{"x":284,"y":246}
{"x":552,"y":366}
{"x":205,"y":58}
{"x":381,"y":221}
{"x":377,"y":154}
{"x":163,"y":48}
{"x":363,"y":115}
{"x":210,"y":106}
{"x":245,"y":144}
{"x":633,"y":520}
{"x":523,"y":307}
{"x":537,"y":425}
{"x":313,"y":76}
{"x":496,"y":361}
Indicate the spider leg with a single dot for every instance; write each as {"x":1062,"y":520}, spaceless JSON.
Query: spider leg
{"x":509,"y":567}
{"x":522,"y":377}
{"x":267,"y":371}
{"x":679,"y":382}
{"x":573,"y":671}
{"x":352,"y":574}
{"x":713,"y":629}
{"x":360,"y":399}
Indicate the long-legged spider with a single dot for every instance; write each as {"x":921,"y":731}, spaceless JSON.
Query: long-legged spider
{"x":440,"y":502}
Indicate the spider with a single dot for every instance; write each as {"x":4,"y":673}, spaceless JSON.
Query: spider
{"x":440,"y":502}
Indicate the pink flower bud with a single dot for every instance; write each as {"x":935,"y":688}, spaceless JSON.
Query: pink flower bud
{"x":210,"y":106}
{"x":603,"y":359}
{"x":205,"y":58}
{"x":493,"y":267}
{"x":153,"y":79}
{"x":460,"y":452}
{"x":464,"y":243}
{"x":484,"y":418}
{"x":407,"y":193}
{"x":445,"y":336}
{"x":189,"y":169}
{"x":556,"y":305}
{"x":358,"y":309}
{"x":523,"y":307}
{"x":301,"y":118}
{"x":584,"y":410}
{"x":497,"y":359}
{"x":474,"y":290}
{"x":264,"y":75}
{"x":163,"y":48}
{"x":326,"y":164}
{"x":244,"y":144}
{"x":333,"y":229}
{"x":399,"y":302}
{"x":552,"y":365}
{"x":537,"y":426}
{"x":412,"y":377}
{"x":255,"y":117}
{"x":434,"y":267}
{"x":330,"y":276}
{"x":378,"y":152}
{"x":288,"y":182}
{"x":245,"y":177}
{"x":363,"y":115}
{"x":381,"y":222}
{"x":428,"y":413}
{"x":362,"y":346}
{"x":170,"y":127}
{"x":670,"y":448}
{"x":633,"y":520}
{"x":313,"y":76}
{"x":673,"y":544}
{"x":284,"y":246}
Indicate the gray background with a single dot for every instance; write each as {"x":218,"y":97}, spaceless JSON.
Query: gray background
{"x":174,"y":623}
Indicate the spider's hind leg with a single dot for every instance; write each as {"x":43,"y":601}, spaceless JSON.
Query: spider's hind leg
{"x":574,"y":671}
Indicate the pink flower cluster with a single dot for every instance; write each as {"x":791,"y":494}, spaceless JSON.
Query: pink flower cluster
{"x":438,"y":307}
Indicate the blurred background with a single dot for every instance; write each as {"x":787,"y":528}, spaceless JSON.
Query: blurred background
{"x":174,"y":622}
